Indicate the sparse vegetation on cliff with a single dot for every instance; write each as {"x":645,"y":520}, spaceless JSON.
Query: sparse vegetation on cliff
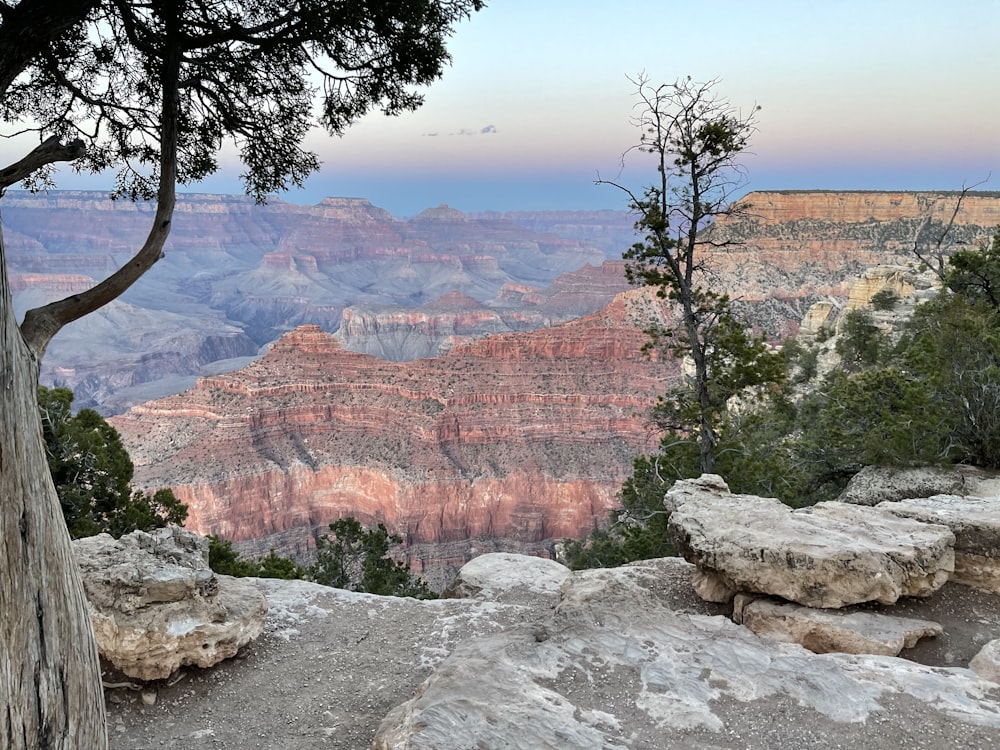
{"x":349,"y":557}
{"x":930,"y":397}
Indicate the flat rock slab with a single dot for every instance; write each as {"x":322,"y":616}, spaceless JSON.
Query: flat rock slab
{"x":824,"y":631}
{"x":616,"y":668}
{"x":975,"y":522}
{"x":156,"y":606}
{"x":332,"y":664}
{"x":830,"y":555}
{"x":508,"y":578}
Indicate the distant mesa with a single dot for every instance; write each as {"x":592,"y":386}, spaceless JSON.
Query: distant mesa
{"x":453,"y":301}
{"x":443,"y":212}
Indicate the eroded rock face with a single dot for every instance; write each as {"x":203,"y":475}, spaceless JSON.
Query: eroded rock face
{"x":520,"y":437}
{"x":975,"y":521}
{"x":876,"y":484}
{"x":830,"y":555}
{"x":826,"y":631}
{"x":156,"y":606}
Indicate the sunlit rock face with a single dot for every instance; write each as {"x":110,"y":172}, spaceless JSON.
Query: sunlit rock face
{"x":791,"y":248}
{"x":505,"y":444}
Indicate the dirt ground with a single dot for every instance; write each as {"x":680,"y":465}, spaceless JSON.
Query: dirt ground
{"x":332,"y":664}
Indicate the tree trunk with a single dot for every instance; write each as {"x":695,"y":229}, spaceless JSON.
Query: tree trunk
{"x":50,"y":685}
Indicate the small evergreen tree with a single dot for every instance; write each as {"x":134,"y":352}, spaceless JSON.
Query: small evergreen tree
{"x":696,"y":139}
{"x":357,"y":559}
{"x":92,"y":473}
{"x":224,"y":559}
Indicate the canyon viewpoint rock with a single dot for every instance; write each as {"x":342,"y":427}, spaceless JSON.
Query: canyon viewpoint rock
{"x":156,"y":606}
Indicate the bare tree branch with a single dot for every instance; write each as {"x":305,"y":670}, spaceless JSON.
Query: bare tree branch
{"x":48,"y":152}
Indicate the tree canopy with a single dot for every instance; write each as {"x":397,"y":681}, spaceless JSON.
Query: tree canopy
{"x":357,"y":559}
{"x":92,"y":473}
{"x":155,"y":90}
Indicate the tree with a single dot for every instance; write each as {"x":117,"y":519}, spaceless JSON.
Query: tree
{"x":224,"y":559}
{"x":357,"y":559}
{"x":92,"y":472}
{"x":695,"y":138}
{"x":154,"y":89}
{"x":860,"y":343}
{"x":636,"y":531}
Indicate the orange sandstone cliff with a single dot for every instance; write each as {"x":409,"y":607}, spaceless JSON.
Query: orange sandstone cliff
{"x":508,"y":442}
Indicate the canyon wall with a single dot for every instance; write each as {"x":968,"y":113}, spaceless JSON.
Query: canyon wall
{"x":507,"y":442}
{"x":236,"y":275}
{"x":503,"y":442}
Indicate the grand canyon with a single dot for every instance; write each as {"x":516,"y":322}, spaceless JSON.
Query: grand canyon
{"x":475,"y":382}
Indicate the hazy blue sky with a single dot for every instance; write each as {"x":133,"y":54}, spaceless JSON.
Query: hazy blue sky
{"x":855,"y":94}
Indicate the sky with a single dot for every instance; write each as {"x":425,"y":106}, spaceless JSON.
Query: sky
{"x":537,"y":103}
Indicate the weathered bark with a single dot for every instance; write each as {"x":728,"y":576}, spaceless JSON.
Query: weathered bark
{"x":50,"y":678}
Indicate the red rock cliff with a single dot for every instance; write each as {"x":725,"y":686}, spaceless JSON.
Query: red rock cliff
{"x":520,"y":437}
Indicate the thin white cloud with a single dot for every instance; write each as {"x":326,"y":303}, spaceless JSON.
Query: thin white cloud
{"x":485,"y":130}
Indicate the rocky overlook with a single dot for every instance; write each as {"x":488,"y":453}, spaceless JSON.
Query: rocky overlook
{"x":507,"y":442}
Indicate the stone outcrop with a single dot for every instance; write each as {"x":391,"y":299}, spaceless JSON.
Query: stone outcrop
{"x":524,"y":438}
{"x":627,"y":657}
{"x":156,"y":606}
{"x":975,"y":522}
{"x":829,"y":555}
{"x":500,"y":576}
{"x":831,"y":631}
{"x":875,"y":484}
{"x":617,"y":667}
{"x":987,"y":662}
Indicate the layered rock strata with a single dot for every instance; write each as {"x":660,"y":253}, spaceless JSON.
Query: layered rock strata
{"x":832,"y":631}
{"x":830,"y":555}
{"x":236,"y":276}
{"x":975,"y":521}
{"x":524,"y":438}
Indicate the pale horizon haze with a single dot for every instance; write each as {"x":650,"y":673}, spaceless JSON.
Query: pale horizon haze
{"x":859,"y":95}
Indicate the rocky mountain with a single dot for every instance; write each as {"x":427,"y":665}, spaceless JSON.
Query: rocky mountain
{"x":397,"y":333}
{"x":503,"y":442}
{"x":236,"y":275}
{"x":507,"y":442}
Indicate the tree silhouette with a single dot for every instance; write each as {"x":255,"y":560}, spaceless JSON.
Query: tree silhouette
{"x":154,"y":89}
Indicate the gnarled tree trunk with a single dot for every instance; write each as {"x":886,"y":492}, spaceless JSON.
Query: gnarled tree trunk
{"x":50,"y":688}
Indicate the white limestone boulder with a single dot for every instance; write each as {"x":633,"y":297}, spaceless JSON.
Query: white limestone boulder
{"x":824,"y":631}
{"x":830,"y":555}
{"x":987,"y":662}
{"x":156,"y":606}
{"x":975,"y":521}
{"x":509,"y":578}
